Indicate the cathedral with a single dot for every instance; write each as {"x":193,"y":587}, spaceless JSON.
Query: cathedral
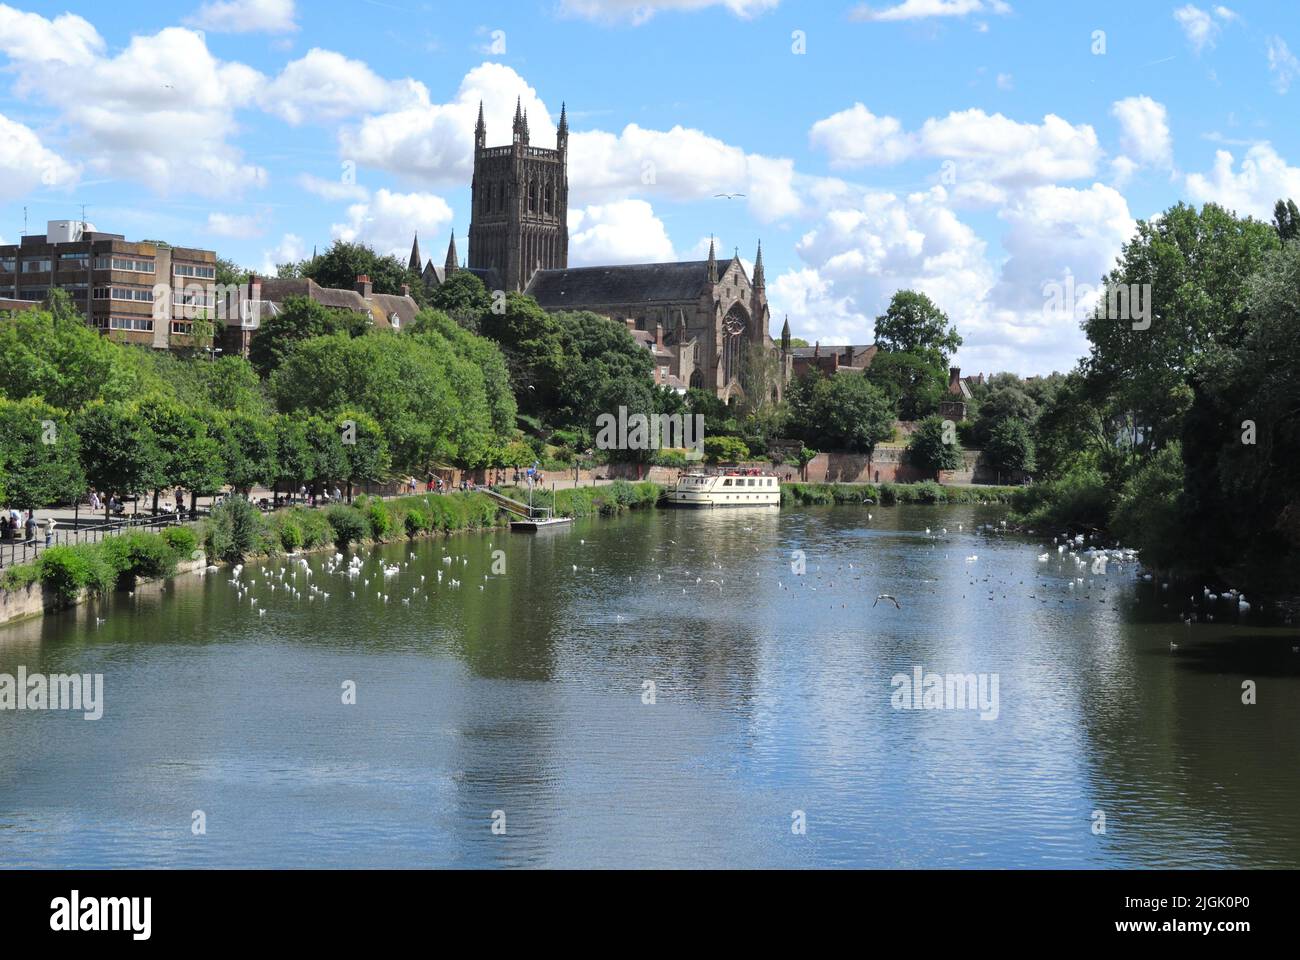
{"x":701,"y":319}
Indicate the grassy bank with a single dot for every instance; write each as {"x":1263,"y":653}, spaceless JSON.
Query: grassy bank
{"x":888,"y":494}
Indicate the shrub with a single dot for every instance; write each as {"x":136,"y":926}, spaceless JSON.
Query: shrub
{"x":20,"y":577}
{"x":290,"y":534}
{"x":66,"y":571}
{"x":234,"y":530}
{"x":349,"y":525}
{"x":182,"y":541}
{"x":377,"y":520}
{"x":417,"y":522}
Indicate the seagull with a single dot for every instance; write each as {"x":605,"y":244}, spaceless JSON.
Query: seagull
{"x":728,"y":196}
{"x":885,"y":596}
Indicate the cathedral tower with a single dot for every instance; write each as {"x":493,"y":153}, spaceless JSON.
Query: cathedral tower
{"x":519,"y":220}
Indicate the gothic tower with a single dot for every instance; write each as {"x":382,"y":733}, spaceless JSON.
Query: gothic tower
{"x":520,"y":196}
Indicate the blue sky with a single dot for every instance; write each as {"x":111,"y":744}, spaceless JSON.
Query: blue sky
{"x":979,"y":150}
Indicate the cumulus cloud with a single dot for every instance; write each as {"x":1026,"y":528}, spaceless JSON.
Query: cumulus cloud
{"x":246,"y":16}
{"x":923,"y":9}
{"x":67,"y":39}
{"x":1263,"y":178}
{"x":341,"y":189}
{"x":625,"y":231}
{"x":1144,"y":131}
{"x":640,"y":11}
{"x":984,"y":147}
{"x":388,"y":221}
{"x":26,"y":164}
{"x":326,"y":87}
{"x":856,"y":137}
{"x":162,"y":110}
{"x":291,"y":249}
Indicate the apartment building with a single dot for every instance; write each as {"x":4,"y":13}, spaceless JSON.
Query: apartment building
{"x":114,"y":282}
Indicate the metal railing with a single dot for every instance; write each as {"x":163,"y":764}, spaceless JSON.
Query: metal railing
{"x":14,"y":552}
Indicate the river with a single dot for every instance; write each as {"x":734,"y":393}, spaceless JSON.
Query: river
{"x":661,"y":690}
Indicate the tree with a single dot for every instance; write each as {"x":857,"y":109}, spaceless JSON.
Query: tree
{"x":186,"y":454}
{"x":343,"y":262}
{"x":301,"y":319}
{"x":933,"y":447}
{"x":725,"y":450}
{"x":533,"y":343}
{"x":913,"y":324}
{"x":294,"y":458}
{"x":248,"y":450}
{"x":840,"y":412}
{"x":463,"y":297}
{"x":118,"y":451}
{"x":1010,"y":449}
{"x":912,"y":382}
{"x":365,"y":450}
{"x":39,"y":455}
{"x":999,"y":405}
{"x":61,"y":360}
{"x":1286,"y":220}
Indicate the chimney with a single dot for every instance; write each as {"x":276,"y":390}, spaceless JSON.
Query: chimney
{"x":631,"y":324}
{"x":659,"y":334}
{"x":364,"y":286}
{"x":954,"y":374}
{"x":406,"y":290}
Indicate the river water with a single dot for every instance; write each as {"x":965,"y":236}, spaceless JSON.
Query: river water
{"x":661,"y":690}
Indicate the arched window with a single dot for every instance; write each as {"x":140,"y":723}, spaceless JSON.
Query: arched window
{"x":734,"y":329}
{"x":697,"y":380}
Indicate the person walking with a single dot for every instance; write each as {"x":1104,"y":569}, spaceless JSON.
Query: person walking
{"x":29,"y":528}
{"x":48,"y":525}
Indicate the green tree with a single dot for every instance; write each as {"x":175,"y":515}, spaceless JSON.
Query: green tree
{"x":39,"y":455}
{"x":300,"y":319}
{"x":118,"y":450}
{"x":913,"y":324}
{"x":343,"y":262}
{"x":248,"y":450}
{"x":840,"y":412}
{"x":365,"y":450}
{"x":463,"y":298}
{"x":61,"y":360}
{"x":933,"y":446}
{"x":1010,"y":448}
{"x":1286,"y":220}
{"x":912,"y":382}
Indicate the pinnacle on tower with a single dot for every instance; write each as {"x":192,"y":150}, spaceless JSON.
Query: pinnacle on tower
{"x":713,"y":263}
{"x":526,"y":134}
{"x":453,"y":262}
{"x":760,"y":281}
{"x":416,"y":259}
{"x":562,"y":131}
{"x":785,"y":335}
{"x":519,"y":120}
{"x":480,"y":129}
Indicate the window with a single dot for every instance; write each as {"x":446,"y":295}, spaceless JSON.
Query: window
{"x":74,"y":257}
{"x":182,"y":328}
{"x":7,"y":264}
{"x":726,"y":483}
{"x":36,"y":266}
{"x":33,"y":294}
{"x":124,"y":264}
{"x":134,"y":294}
{"x":195,"y":270}
{"x":143,"y":324}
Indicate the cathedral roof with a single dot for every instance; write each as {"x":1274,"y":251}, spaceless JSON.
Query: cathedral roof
{"x":631,"y":283}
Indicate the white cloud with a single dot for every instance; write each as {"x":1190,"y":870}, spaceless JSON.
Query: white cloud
{"x":434,"y":143}
{"x":29,"y":37}
{"x":639,"y":11}
{"x":921,"y":9}
{"x":162,"y":110}
{"x":291,"y":249}
{"x":1282,"y":63}
{"x":26,"y":165}
{"x":340,"y":189}
{"x":1199,"y":25}
{"x":856,"y":137}
{"x":246,"y":16}
{"x":626,"y":231}
{"x":325,"y":86}
{"x":989,"y":147}
{"x":389,"y":221}
{"x":235,"y":225}
{"x":1144,"y":131}
{"x":1264,"y":178}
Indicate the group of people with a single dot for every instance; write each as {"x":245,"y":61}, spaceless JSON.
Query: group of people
{"x":14,"y":527}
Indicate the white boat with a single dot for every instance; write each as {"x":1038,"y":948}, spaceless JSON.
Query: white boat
{"x":727,"y":488}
